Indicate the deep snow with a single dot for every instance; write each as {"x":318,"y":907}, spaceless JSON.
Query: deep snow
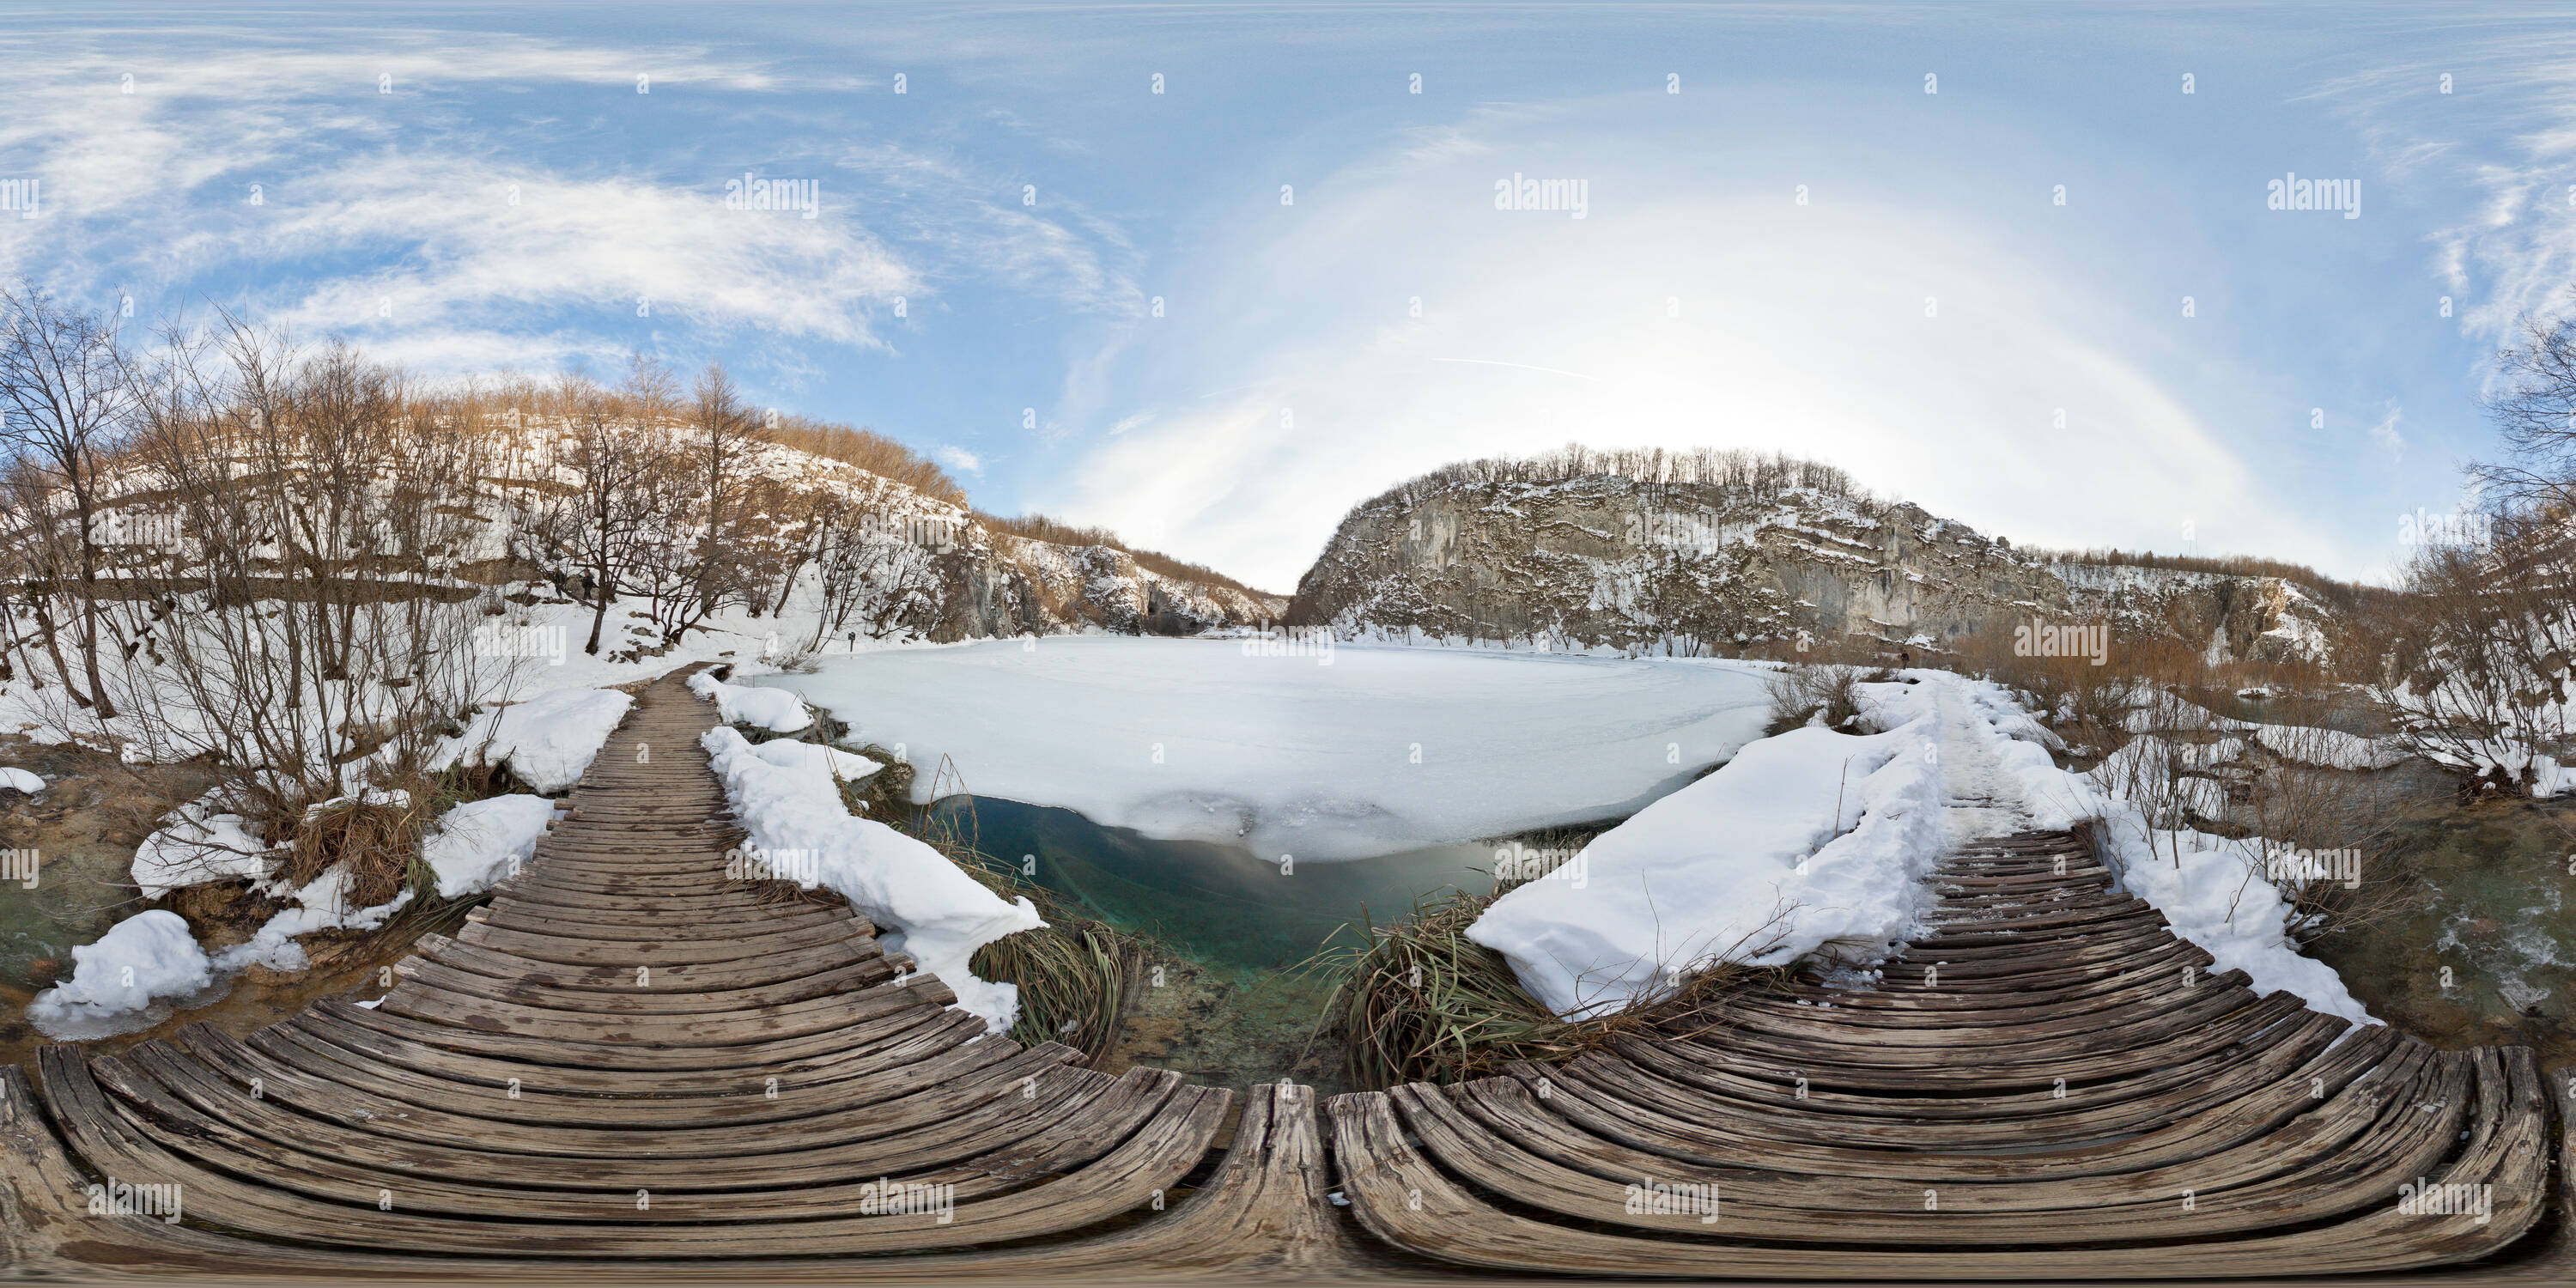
{"x":1807,"y":837}
{"x":1355,"y":752}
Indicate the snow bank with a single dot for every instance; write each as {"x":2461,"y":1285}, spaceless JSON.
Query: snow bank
{"x":197,"y":844}
{"x":1759,"y":863}
{"x":2217,"y":898}
{"x":22,"y":780}
{"x":479,"y":842}
{"x":548,"y":741}
{"x":818,"y":765}
{"x":1804,"y":838}
{"x":922,"y":904}
{"x":147,"y":956}
{"x":1386,"y":749}
{"x":323,"y":906}
{"x":775,"y":710}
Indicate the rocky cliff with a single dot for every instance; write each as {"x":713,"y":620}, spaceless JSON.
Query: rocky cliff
{"x":1606,"y":560}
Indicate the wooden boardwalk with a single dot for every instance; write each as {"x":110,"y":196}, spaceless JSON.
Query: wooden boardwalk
{"x":2052,"y":1086}
{"x":628,"y":1064}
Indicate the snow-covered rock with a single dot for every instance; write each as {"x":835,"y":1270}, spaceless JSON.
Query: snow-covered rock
{"x":321,"y":904}
{"x":1700,"y":559}
{"x":775,"y":710}
{"x":147,"y":956}
{"x":22,"y":780}
{"x":197,"y":843}
{"x":480,"y":842}
{"x":1804,"y":838}
{"x":1815,"y":836}
{"x":548,"y":741}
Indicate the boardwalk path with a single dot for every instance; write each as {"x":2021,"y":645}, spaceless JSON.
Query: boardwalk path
{"x":627,"y":1061}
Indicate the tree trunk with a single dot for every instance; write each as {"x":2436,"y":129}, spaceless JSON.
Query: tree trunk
{"x":598,"y":619}
{"x":89,"y":612}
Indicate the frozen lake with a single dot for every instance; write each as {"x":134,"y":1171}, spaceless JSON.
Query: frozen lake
{"x":1374,"y":751}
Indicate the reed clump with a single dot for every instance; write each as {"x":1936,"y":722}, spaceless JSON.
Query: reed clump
{"x":1418,"y":1001}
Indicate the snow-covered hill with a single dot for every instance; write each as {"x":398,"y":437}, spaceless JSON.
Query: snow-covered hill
{"x":1731,"y":556}
{"x":927,"y":568}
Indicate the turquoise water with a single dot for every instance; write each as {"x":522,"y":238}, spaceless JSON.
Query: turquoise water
{"x":1219,"y":904}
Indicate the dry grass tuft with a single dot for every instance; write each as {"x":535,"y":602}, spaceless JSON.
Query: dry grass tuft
{"x":1420,"y":1002}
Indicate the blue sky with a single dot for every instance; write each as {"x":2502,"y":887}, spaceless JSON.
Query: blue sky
{"x":463,"y":188}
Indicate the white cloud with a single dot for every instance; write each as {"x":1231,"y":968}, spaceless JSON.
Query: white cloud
{"x":484,"y":253}
{"x":958,"y":458}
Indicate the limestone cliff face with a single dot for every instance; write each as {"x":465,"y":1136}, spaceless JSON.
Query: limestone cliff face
{"x":2229,"y":618}
{"x":1605,"y":560}
{"x":1050,"y":587}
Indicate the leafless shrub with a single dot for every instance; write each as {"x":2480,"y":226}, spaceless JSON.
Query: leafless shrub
{"x":1825,"y":694}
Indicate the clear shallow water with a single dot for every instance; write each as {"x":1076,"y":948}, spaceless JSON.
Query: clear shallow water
{"x":78,"y":895}
{"x":45,"y":923}
{"x":2496,"y":913}
{"x":1219,"y":904}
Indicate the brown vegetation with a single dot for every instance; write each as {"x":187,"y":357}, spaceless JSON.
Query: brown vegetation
{"x":1038,"y":527}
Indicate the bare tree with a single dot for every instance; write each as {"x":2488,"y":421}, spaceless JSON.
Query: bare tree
{"x":2535,"y":409}
{"x":726,"y":431}
{"x":2481,"y":652}
{"x":68,"y":407}
{"x":601,"y":522}
{"x":308,"y":639}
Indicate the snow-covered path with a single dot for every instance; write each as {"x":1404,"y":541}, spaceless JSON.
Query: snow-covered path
{"x":1978,"y":798}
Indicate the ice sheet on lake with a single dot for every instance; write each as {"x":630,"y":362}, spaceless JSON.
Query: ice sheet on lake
{"x":1355,"y":753}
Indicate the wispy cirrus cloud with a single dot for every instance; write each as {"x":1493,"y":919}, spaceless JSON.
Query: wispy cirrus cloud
{"x":437,"y":196}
